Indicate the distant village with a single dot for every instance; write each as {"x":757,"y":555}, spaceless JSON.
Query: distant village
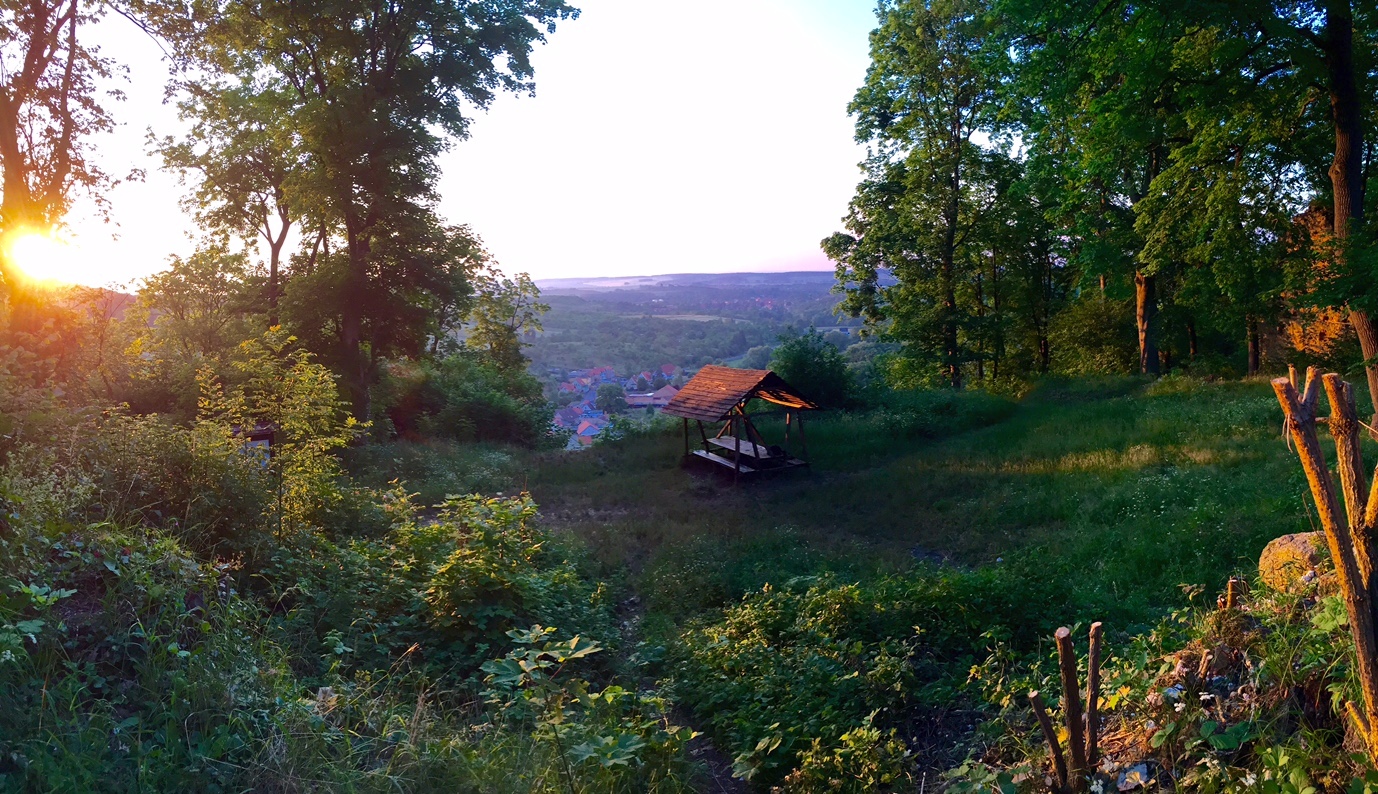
{"x":587,"y":399}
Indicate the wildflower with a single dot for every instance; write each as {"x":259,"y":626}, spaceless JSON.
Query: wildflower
{"x":1180,"y":706}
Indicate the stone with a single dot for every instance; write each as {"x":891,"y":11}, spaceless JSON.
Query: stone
{"x":1291,"y":562}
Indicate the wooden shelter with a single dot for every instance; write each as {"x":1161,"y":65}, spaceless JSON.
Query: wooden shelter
{"x":721,"y":394}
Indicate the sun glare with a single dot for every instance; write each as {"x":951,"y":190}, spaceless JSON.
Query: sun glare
{"x":44,"y":258}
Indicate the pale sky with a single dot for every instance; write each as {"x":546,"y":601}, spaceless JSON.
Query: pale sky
{"x":663,"y":137}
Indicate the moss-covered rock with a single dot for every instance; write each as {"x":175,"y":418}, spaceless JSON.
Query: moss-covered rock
{"x":1292,"y":561}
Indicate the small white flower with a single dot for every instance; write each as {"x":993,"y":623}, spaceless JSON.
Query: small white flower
{"x":1180,"y":706}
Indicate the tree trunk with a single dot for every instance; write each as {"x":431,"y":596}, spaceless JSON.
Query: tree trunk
{"x":948,"y":267}
{"x":1346,"y":170}
{"x":1146,"y":316}
{"x":351,"y":319}
{"x":1191,"y":339}
{"x":275,"y":245}
{"x":1251,"y":334}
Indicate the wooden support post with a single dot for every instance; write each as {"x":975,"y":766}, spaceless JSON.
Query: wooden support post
{"x":1232,"y":588}
{"x":1093,"y":696}
{"x":1050,"y":735}
{"x":803,"y":442}
{"x":686,"y":436}
{"x":1346,"y":545}
{"x":789,"y":448}
{"x":737,"y":463}
{"x":1071,"y":710}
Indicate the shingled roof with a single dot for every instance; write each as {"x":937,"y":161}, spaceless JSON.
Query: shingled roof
{"x":711,"y":395}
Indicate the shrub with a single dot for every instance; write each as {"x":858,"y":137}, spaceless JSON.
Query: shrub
{"x":464,"y":398}
{"x":439,"y":595}
{"x":815,"y":367}
{"x":1094,"y":336}
{"x":822,"y":670}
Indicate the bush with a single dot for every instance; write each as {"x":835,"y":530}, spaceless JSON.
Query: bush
{"x":816,"y":671}
{"x":127,"y":665}
{"x":463,"y":398}
{"x":439,"y":595}
{"x":814,"y":367}
{"x":1094,"y":336}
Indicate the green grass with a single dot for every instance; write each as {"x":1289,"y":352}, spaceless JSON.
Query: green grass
{"x":1086,"y":500}
{"x":1117,"y":490}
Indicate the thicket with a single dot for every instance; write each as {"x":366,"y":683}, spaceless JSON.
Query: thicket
{"x":180,"y":611}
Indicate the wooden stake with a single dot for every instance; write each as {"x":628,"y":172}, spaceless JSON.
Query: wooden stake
{"x":1344,"y":550}
{"x":1071,"y":710}
{"x":1344,"y":428}
{"x":1050,"y":734}
{"x":1093,"y":696}
{"x":1232,"y":593}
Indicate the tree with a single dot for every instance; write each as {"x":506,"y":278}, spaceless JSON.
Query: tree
{"x":188,"y":318}
{"x":48,"y":109}
{"x":757,"y":357}
{"x":242,"y":156}
{"x":505,"y":310}
{"x":814,"y":367}
{"x":1317,"y":57}
{"x":611,"y":399}
{"x":278,"y":384}
{"x":928,"y":93}
{"x":1098,"y":93}
{"x":377,"y":91}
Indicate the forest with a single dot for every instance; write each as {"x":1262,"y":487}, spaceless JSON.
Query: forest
{"x":293,"y":516}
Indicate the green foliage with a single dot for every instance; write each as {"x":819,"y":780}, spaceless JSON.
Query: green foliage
{"x":440,"y":594}
{"x":757,"y":357}
{"x":815,"y":367}
{"x":505,"y":311}
{"x":799,"y":673}
{"x":1094,"y":336}
{"x":611,"y":398}
{"x":625,"y":735}
{"x":465,"y":398}
{"x":280,"y":386}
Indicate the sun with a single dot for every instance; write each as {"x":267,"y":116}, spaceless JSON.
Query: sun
{"x":46,"y":259}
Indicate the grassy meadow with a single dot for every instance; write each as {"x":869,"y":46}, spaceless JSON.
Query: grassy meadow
{"x":933,"y":548}
{"x":1115,"y":491}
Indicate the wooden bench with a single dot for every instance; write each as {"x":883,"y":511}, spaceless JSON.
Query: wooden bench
{"x":721,"y":461}
{"x":748,"y":449}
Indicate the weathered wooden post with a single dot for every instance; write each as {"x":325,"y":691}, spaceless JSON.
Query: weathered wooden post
{"x":1093,"y":696}
{"x":1050,"y":736}
{"x":1348,"y":536}
{"x":1071,"y":710}
{"x":1083,"y":728}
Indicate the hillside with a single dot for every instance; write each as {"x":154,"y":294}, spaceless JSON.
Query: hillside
{"x":949,"y":535}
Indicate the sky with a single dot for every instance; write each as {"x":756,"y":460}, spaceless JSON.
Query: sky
{"x":663,"y":138}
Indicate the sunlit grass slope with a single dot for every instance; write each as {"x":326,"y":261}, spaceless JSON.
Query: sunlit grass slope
{"x":1114,"y":492}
